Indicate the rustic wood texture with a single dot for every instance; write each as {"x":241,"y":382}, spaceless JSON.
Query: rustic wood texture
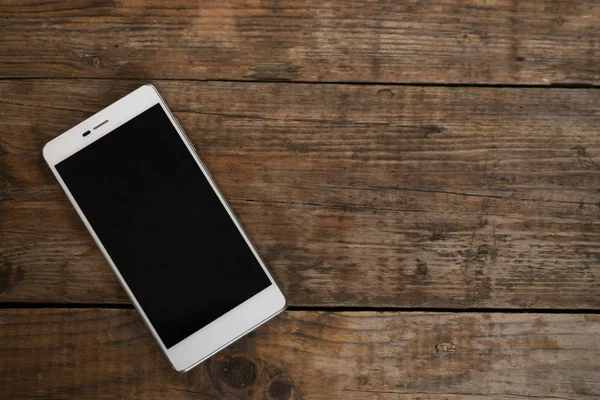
{"x":108,"y":354}
{"x":355,"y":195}
{"x":473,"y":41}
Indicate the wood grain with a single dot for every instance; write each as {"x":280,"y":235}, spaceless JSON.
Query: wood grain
{"x":355,"y":196}
{"x":102,"y":354}
{"x":450,"y":41}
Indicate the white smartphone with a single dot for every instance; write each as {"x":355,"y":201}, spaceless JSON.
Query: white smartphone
{"x":165,"y":229}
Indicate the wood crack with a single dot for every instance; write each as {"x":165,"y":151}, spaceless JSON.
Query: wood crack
{"x":13,"y":103}
{"x":412,"y":189}
{"x":442,"y":393}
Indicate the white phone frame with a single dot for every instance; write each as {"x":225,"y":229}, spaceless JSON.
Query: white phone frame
{"x":229,"y":327}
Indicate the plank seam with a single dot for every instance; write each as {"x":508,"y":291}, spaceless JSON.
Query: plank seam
{"x":447,"y":310}
{"x":556,"y":85}
{"x":127,"y":306}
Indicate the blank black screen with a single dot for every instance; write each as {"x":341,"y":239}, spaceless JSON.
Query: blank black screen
{"x":163,"y":226}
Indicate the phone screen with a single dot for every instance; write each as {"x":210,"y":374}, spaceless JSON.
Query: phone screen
{"x":163,"y":226}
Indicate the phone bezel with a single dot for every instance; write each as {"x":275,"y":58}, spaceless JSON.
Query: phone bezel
{"x":229,"y":327}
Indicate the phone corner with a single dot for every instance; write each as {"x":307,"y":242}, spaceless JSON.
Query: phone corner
{"x":150,"y":87}
{"x":180,"y":369}
{"x":284,"y":302}
{"x":46,"y":152}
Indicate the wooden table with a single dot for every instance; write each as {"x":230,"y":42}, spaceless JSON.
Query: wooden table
{"x":422,"y":178}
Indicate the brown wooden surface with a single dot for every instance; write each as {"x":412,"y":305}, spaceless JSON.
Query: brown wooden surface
{"x":473,"y":41}
{"x":394,"y":192}
{"x":108,"y":354}
{"x":354,"y":195}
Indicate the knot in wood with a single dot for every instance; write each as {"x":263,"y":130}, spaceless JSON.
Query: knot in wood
{"x":445,"y":347}
{"x":96,"y":62}
{"x":236,"y":372}
{"x":280,"y":388}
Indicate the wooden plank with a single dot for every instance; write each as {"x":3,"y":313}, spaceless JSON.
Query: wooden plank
{"x":355,"y":195}
{"x":103,"y":353}
{"x":449,"y":41}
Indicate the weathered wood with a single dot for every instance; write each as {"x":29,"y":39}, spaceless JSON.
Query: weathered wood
{"x":355,"y":196}
{"x":102,"y":353}
{"x":473,"y":41}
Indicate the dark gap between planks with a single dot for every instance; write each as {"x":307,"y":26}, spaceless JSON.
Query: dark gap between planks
{"x":128,"y":306}
{"x":565,"y":85}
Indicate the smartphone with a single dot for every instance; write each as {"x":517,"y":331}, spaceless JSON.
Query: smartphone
{"x":156,"y":214}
